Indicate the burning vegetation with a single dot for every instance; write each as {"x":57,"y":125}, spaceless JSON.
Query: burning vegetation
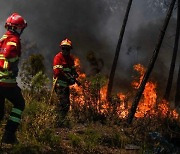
{"x":93,"y":125}
{"x":85,"y":97}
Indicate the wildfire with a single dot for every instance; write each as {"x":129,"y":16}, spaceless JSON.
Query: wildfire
{"x":102,"y":103}
{"x":122,"y":109}
{"x":141,"y":70}
{"x":78,"y":68}
{"x":148,"y":102}
{"x":103,"y":93}
{"x":79,"y":90}
{"x":165,"y":110}
{"x":147,"y":106}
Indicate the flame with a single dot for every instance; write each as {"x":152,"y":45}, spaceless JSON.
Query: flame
{"x":78,"y":89}
{"x":141,"y":70}
{"x":148,"y":103}
{"x":166,"y":111}
{"x":147,"y":106}
{"x":122,"y":110}
{"x":78,"y":68}
{"x":103,"y":93}
{"x":102,"y":103}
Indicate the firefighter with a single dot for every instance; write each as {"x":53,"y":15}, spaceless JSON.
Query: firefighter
{"x":64,"y":75}
{"x":10,"y":52}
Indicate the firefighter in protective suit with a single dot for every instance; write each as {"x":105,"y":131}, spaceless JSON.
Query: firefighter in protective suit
{"x":10,"y":52}
{"x":64,"y":75}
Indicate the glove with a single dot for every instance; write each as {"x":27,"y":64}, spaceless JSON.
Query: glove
{"x":74,"y":73}
{"x":72,"y":81}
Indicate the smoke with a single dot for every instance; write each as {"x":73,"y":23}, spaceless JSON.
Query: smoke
{"x":94,"y":26}
{"x":51,"y":21}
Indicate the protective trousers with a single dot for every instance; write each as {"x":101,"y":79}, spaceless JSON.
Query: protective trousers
{"x":14,"y":95}
{"x":63,"y":94}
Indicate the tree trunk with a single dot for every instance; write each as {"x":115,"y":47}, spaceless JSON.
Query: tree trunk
{"x":113,"y":68}
{"x":151,"y":64}
{"x":173,"y":61}
{"x":177,"y":96}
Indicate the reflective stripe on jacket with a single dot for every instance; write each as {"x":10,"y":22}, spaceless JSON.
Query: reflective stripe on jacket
{"x":61,"y":83}
{"x":61,"y":66}
{"x":10,"y":51}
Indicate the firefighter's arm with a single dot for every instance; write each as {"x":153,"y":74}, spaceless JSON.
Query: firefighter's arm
{"x":72,"y":79}
{"x":57,"y":67}
{"x":11,"y":55}
{"x":12,"y":50}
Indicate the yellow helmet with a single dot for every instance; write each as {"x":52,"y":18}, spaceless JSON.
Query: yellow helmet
{"x":66,"y":42}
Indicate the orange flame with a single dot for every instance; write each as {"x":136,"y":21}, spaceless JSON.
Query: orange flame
{"x":78,"y":68}
{"x":78,"y":89}
{"x":141,"y":70}
{"x":166,"y":111}
{"x":147,"y":106}
{"x":122,"y":110}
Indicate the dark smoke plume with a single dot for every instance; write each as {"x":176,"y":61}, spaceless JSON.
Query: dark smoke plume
{"x":94,"y":25}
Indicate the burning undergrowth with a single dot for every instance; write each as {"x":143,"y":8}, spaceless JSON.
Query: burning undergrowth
{"x":156,"y":124}
{"x":90,"y":98}
{"x":95,"y":125}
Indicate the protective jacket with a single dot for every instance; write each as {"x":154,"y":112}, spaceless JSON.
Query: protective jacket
{"x":10,"y":52}
{"x":62,"y":66}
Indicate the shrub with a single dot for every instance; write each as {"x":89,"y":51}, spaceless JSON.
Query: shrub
{"x":75,"y":140}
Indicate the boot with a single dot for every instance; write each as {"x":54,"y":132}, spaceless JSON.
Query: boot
{"x":9,"y":138}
